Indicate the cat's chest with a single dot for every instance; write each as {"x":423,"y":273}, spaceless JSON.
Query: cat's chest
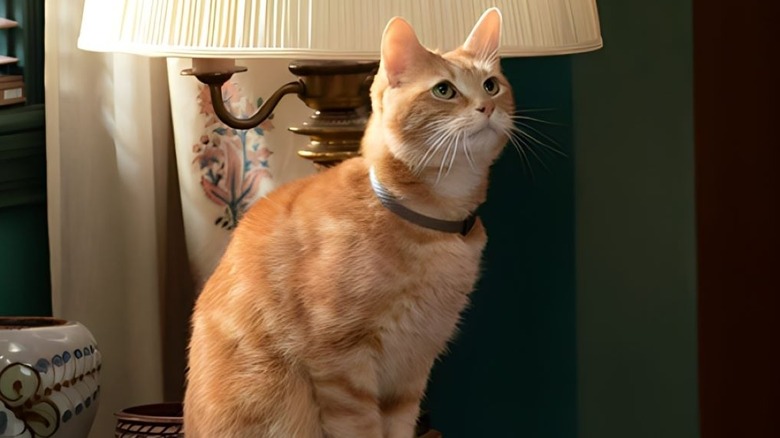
{"x":423,"y":313}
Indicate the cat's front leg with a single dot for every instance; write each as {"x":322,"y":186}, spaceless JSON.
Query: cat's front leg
{"x":401,"y":409}
{"x":401,"y":421}
{"x":347,"y":395}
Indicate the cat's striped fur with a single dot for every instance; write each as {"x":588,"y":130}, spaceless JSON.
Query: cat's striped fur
{"x":327,"y":311}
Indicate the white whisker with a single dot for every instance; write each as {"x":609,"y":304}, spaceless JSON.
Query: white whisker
{"x":531,"y":150}
{"x":454,"y":154}
{"x":535,"y":140}
{"x":469,"y":158}
{"x":425,"y":158}
{"x":533,"y":119}
{"x":432,"y":150}
{"x":534,"y":110}
{"x":521,"y":152}
{"x":537,"y":131}
{"x":441,"y":165}
{"x":441,"y":131}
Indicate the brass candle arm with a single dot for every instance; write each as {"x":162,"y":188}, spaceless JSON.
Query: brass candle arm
{"x":338,"y":91}
{"x":215,"y":82}
{"x":260,"y":115}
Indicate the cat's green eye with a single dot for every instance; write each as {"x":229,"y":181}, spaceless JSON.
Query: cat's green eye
{"x":443,"y":90}
{"x":491,"y":86}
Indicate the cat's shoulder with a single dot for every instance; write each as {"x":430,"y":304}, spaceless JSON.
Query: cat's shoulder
{"x":344,"y":181}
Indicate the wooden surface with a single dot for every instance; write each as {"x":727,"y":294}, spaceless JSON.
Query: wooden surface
{"x":736,"y":95}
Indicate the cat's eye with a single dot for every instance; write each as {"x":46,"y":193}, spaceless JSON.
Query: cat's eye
{"x":491,"y":86}
{"x":444,"y":90}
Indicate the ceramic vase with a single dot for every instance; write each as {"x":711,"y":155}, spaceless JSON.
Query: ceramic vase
{"x":49,"y":378}
{"x":223,"y":171}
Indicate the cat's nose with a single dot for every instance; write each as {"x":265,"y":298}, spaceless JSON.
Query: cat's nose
{"x":487,"y":108}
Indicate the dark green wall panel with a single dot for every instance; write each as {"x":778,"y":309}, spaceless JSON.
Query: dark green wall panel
{"x":24,"y":261}
{"x":511,"y":371}
{"x":636,"y":260}
{"x":24,"y":246}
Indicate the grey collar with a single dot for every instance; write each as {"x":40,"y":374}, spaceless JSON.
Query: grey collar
{"x":391,"y":203}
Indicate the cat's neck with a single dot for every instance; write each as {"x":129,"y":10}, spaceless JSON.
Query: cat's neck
{"x":452,"y":196}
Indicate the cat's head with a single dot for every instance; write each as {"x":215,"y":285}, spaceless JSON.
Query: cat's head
{"x":441,"y":112}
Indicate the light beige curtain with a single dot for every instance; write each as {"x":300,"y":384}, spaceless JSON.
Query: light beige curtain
{"x":119,"y":260}
{"x":112,"y":206}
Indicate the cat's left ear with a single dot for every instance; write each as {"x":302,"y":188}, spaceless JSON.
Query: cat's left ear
{"x":401,"y":50}
{"x":485,"y":37}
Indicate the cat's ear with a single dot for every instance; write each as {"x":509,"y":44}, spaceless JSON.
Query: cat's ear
{"x":401,"y":49}
{"x":486,"y":35}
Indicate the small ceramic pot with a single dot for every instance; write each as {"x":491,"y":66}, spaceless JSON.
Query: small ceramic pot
{"x":165,"y":420}
{"x":162,"y":420}
{"x":49,"y":378}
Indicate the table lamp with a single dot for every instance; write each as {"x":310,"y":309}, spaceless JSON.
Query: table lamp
{"x":333,"y":46}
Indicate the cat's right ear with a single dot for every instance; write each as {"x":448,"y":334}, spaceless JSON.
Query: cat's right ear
{"x":486,"y":35}
{"x":400,"y":49}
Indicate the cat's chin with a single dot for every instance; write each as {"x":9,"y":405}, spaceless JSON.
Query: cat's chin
{"x":485,"y":133}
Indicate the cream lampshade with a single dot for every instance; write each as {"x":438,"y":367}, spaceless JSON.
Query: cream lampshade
{"x":326,"y":29}
{"x":338,"y":39}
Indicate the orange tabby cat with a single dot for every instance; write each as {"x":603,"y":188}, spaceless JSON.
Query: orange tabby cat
{"x":332,"y":301}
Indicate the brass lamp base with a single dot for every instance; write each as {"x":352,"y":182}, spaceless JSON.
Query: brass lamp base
{"x":338,"y":91}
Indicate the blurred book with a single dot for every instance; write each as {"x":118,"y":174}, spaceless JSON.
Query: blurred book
{"x":11,"y":78}
{"x":11,"y":89}
{"x":7,"y":24}
{"x":7,"y":60}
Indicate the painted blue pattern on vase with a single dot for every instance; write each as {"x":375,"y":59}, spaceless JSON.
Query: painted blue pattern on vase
{"x":3,"y":421}
{"x":42,"y":365}
{"x":232,"y":162}
{"x":28,"y":400}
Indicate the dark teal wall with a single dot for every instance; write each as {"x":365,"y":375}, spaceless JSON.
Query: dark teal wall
{"x":24,"y":261}
{"x":24,"y":247}
{"x":512,"y":370}
{"x":636,"y":261}
{"x":593,"y":334}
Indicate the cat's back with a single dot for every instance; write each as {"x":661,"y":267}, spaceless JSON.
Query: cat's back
{"x":296,"y":228}
{"x":327,"y":239}
{"x":300,"y":214}
{"x":333,"y":220}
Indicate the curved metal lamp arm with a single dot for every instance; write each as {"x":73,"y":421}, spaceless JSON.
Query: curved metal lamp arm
{"x":260,"y":115}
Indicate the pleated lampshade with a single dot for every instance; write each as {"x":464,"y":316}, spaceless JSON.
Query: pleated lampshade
{"x":326,"y":29}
